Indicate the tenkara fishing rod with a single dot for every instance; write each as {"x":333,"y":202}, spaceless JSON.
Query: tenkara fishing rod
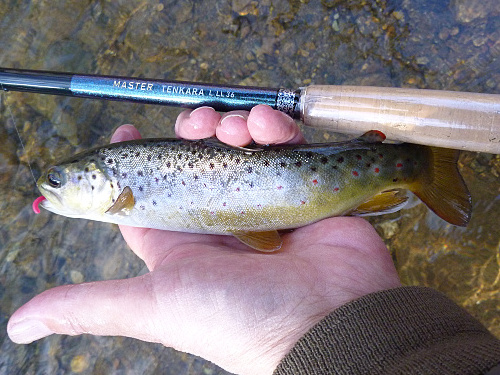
{"x":460,"y":120}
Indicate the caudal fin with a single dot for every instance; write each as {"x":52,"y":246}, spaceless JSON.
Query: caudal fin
{"x":443,"y":190}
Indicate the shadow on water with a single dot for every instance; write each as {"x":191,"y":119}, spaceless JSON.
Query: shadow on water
{"x":453,"y":46}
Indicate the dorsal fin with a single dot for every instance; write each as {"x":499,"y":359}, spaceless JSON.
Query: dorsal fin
{"x":123,"y":204}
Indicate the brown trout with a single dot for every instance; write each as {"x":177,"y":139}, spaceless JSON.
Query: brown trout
{"x":251,"y":193}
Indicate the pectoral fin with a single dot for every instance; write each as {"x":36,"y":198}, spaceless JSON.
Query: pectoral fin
{"x":267,"y":242}
{"x":123,"y":204}
{"x":382,"y":203}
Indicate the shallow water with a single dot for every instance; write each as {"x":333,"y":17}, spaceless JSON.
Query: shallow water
{"x":452,"y":45}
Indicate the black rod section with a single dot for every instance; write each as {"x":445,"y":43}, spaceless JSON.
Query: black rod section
{"x":150,"y":91}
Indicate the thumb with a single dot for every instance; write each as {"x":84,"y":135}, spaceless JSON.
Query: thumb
{"x":115,"y":307}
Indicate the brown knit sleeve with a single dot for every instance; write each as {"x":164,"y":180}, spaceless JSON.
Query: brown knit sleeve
{"x":407,"y":330}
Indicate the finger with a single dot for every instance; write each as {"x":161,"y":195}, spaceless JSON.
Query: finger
{"x":197,"y":124}
{"x":269,"y":126}
{"x":233,"y":129}
{"x":125,"y":133}
{"x":115,"y":307}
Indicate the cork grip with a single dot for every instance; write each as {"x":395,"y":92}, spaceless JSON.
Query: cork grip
{"x":460,"y":120}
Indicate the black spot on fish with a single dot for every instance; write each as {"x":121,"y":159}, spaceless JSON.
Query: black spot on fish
{"x":140,"y":174}
{"x":94,"y":176}
{"x":298,"y":164}
{"x":111,"y":184}
{"x":168,"y":164}
{"x":110,"y":161}
{"x":102,"y":158}
{"x":154,"y":203}
{"x":237,"y":160}
{"x":249,"y":169}
{"x":143,"y":208}
{"x":149,"y":157}
{"x":314,"y":169}
{"x":124,"y":175}
{"x":118,"y":184}
{"x":212,"y":165}
{"x":395,"y":179}
{"x":324,"y":160}
{"x":115,"y":172}
{"x":86,"y":169}
{"x":92,"y":187}
{"x":340,"y":160}
{"x":283,"y":164}
{"x":137,"y":154}
{"x":266,"y":163}
{"x":179,"y":168}
{"x":113,"y":200}
{"x":334,"y":167}
{"x":196,"y":177}
{"x":368,"y":165}
{"x":141,"y":188}
{"x":183,"y":183}
{"x":124,"y":155}
{"x":224,"y":165}
{"x":79,"y":178}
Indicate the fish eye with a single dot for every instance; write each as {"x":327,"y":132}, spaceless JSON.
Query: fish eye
{"x":54,"y":178}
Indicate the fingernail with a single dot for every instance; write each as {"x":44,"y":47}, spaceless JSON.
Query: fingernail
{"x":233,"y":115}
{"x":196,"y":109}
{"x":27,"y":331}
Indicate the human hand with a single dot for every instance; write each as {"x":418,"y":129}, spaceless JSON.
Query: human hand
{"x":211,"y":295}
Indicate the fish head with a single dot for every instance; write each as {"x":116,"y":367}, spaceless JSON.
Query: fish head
{"x":76,"y":189}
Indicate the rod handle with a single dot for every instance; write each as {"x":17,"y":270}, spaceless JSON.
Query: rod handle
{"x":459,"y":120}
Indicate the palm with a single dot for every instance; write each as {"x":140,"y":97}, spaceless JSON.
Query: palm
{"x":233,"y":297}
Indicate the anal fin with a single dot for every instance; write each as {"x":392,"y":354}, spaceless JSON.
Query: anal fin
{"x":382,"y":203}
{"x":267,"y":241}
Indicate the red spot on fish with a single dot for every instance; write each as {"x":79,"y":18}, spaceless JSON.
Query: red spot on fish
{"x":380,"y":156}
{"x":336,"y":189}
{"x":355,"y":173}
{"x":237,"y":189}
{"x":259,"y":205}
{"x":224,"y":204}
{"x":377,"y":170}
{"x":242,"y":212}
{"x":399,"y":165}
{"x":302,"y":202}
{"x":36,"y":203}
{"x":315,"y":182}
{"x":212,"y":213}
{"x":280,"y":187}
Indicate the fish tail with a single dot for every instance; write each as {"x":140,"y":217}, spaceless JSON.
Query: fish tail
{"x":443,"y":189}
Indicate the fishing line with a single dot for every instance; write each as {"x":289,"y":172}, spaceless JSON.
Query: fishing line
{"x":18,"y":134}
